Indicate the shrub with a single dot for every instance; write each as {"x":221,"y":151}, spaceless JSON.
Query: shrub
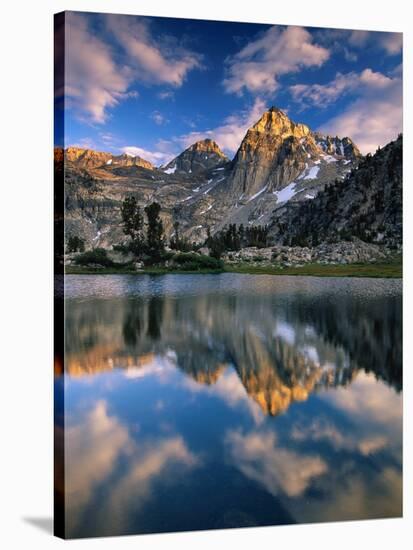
{"x":75,"y":244}
{"x":188,"y":261}
{"x":122,"y":248}
{"x":96,"y":256}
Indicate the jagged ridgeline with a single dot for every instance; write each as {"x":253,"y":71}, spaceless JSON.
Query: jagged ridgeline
{"x":366,"y":205}
{"x":303,"y":186}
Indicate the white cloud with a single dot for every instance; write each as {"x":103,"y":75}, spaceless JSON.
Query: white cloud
{"x":97,"y":79}
{"x":321,"y":429}
{"x":229,"y":134}
{"x":258,"y":65}
{"x":359,"y":38}
{"x":154,"y":63}
{"x":322,"y":95}
{"x":155,"y":157}
{"x":158,"y":118}
{"x":152,"y":462}
{"x":376,"y":117}
{"x":371,"y":402}
{"x":93,"y":80}
{"x":94,"y":447}
{"x":277,"y":469}
{"x":231,"y":390}
{"x":166,"y":95}
{"x":371,"y":445}
{"x":89,"y":458}
{"x":390,"y":42}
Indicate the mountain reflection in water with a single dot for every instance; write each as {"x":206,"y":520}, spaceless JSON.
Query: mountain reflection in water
{"x":179,"y":386}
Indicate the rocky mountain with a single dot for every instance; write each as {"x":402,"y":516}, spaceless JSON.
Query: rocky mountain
{"x":367,"y":205}
{"x":279,"y":166}
{"x":200,"y":157}
{"x":88,"y":158}
{"x":276,"y":151}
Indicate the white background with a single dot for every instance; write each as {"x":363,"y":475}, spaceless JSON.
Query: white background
{"x":26,"y":209}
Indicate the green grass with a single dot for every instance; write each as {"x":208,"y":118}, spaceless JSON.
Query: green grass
{"x":382,"y":270}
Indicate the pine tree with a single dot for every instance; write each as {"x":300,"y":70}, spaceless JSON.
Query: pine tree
{"x":155,"y":233}
{"x":133,"y":224}
{"x":75,"y":244}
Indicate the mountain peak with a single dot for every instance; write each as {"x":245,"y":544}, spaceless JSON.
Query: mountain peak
{"x":277,"y":152}
{"x":277,"y":111}
{"x":276,"y":122}
{"x":89,"y":158}
{"x":206,"y":145}
{"x":198,"y":157}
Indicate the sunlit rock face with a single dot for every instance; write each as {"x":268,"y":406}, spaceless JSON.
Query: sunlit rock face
{"x":276,"y":151}
{"x":88,"y":158}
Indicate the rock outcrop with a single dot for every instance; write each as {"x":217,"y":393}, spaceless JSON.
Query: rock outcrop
{"x":367,"y":205}
{"x":88,"y":158}
{"x":198,"y":158}
{"x":343,"y":252}
{"x":276,"y":151}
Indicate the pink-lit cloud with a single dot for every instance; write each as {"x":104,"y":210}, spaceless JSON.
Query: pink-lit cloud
{"x":390,"y":42}
{"x":322,"y":95}
{"x":95,"y":78}
{"x":258,"y":65}
{"x":154,"y":63}
{"x":94,"y":82}
{"x":375,"y":117}
{"x":279,"y":470}
{"x":230,"y":133}
{"x":155,"y":157}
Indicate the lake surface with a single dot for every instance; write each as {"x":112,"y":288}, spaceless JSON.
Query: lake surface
{"x":215,"y":401}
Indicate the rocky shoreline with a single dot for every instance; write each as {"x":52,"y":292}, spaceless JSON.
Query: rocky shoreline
{"x":343,"y":252}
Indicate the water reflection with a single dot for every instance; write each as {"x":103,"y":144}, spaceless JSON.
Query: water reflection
{"x":282,"y":349}
{"x":204,"y":402}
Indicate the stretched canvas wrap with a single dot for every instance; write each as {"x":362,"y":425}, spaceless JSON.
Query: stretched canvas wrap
{"x":228,"y":238}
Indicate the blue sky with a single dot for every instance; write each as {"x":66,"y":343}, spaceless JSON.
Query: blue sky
{"x":152,"y":86}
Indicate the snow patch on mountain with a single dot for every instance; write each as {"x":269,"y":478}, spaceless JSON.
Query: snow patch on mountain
{"x":170,"y":170}
{"x":287,"y":193}
{"x":312,"y":173}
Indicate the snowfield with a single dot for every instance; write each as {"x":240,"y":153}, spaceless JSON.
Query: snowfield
{"x":312,"y":173}
{"x":170,"y":170}
{"x":287,"y":193}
